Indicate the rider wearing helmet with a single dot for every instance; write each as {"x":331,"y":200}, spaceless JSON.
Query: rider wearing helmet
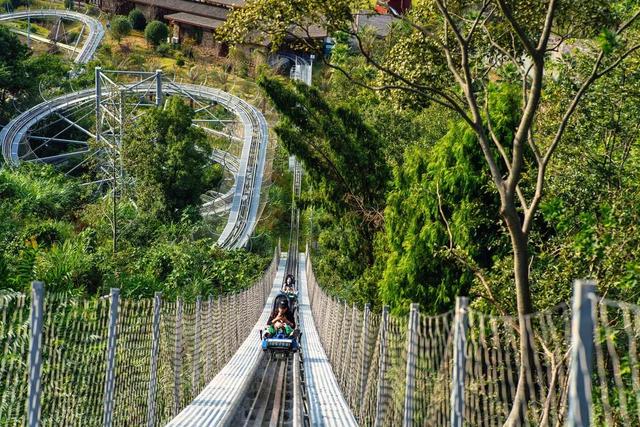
{"x":281,"y":319}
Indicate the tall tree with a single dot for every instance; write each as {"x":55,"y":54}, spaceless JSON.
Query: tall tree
{"x":449,"y":53}
{"x":168,"y":158}
{"x":344,"y":157}
{"x":12,"y":56}
{"x":333,"y":141}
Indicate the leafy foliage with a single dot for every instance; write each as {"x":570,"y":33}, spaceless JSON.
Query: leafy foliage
{"x":333,"y":142}
{"x":52,"y":231}
{"x":169,"y":159}
{"x":156,"y":32}
{"x":120,"y":27}
{"x":458,"y":55}
{"x":346,"y":177}
{"x":137,"y":20}
{"x":22,"y":75}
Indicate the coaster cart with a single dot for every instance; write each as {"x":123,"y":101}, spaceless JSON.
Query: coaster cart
{"x":281,"y":345}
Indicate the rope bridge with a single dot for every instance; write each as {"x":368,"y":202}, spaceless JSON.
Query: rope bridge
{"x":116,"y":361}
{"x":463,"y":367}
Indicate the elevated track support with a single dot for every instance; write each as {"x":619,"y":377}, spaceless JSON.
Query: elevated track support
{"x":115,"y":103}
{"x":93,"y":39}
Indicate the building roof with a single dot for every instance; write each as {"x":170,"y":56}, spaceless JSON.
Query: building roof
{"x":195,"y":20}
{"x":381,"y":24}
{"x":312,"y":31}
{"x":190,"y":7}
{"x":228,"y":3}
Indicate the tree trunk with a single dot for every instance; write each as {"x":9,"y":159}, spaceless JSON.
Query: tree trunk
{"x":519,"y":243}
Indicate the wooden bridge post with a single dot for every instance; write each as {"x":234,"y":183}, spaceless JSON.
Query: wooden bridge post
{"x":364,"y":361}
{"x":155,"y":350}
{"x":196,"y":346}
{"x":35,"y":353}
{"x":382,"y":369}
{"x":177,"y":359}
{"x":109,"y":383}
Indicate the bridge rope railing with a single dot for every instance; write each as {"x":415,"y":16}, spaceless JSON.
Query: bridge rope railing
{"x":115,"y":361}
{"x":463,"y":367}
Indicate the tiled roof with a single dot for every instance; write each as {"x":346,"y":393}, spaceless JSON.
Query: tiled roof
{"x":381,"y":24}
{"x":228,"y":3}
{"x":195,"y":20}
{"x":194,"y":8}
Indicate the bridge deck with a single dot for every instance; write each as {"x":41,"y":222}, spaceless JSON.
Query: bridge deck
{"x":326,"y":403}
{"x":217,"y":402}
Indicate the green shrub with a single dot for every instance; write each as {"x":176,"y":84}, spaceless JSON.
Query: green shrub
{"x":180,"y":62}
{"x":137,"y":19}
{"x":163,"y":49}
{"x":156,"y":32}
{"x":120,"y":27}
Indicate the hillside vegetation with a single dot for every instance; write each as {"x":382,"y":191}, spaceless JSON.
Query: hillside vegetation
{"x":482,"y":148}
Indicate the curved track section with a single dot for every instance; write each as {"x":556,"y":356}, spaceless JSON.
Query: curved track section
{"x":221,"y":203}
{"x":245,"y":199}
{"x":96,"y":30}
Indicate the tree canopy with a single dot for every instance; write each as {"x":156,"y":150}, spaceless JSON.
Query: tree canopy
{"x":120,"y":27}
{"x":23,"y":75}
{"x":137,"y":20}
{"x":156,"y":32}
{"x":168,"y":159}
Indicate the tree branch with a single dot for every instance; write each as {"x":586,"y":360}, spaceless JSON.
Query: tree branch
{"x":444,"y":218}
{"x":546,"y":30}
{"x":522,"y":36}
{"x":503,"y":153}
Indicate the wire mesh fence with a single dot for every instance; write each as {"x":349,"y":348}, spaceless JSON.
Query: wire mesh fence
{"x":573,"y":365}
{"x":493,"y":368}
{"x":74,"y":343}
{"x":616,"y":384}
{"x":14,"y":343}
{"x":433,"y":370}
{"x":70,"y":361}
{"x":116,"y":362}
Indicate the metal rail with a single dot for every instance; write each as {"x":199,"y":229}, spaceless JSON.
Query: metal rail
{"x":278,"y":399}
{"x":246,"y":193}
{"x":269,"y":404}
{"x":96,"y":30}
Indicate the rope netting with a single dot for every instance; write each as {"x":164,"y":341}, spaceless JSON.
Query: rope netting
{"x":165,"y":352}
{"x":74,"y":343}
{"x":493,"y":367}
{"x":135,"y":339}
{"x":14,"y":344}
{"x":392,"y":370}
{"x":616,"y":374}
{"x":433,"y":370}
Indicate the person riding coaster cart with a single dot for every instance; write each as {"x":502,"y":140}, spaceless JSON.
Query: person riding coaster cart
{"x":289,"y":288}
{"x":280,"y":335}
